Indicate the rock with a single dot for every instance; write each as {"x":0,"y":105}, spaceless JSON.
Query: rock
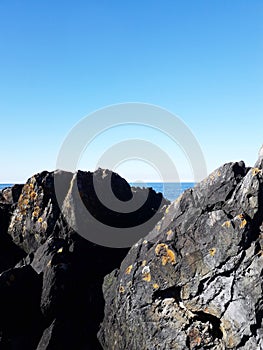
{"x":20,"y":317}
{"x":195,"y":281}
{"x":10,"y":254}
{"x":36,"y":212}
{"x":100,"y":223}
{"x":64,"y":270}
{"x":59,"y":335}
{"x":10,"y":195}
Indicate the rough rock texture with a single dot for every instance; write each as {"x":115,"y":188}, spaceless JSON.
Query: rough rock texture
{"x":195,"y":281}
{"x":51,"y":277}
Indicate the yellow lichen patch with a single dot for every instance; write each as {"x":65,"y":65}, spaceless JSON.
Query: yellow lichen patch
{"x":169,"y":233}
{"x":60,"y":250}
{"x":146,"y":274}
{"x":145,"y":241}
{"x":240,"y":216}
{"x":218,"y":173}
{"x":144,"y":262}
{"x":158,"y":227}
{"x":25,"y":201}
{"x":243,"y":223}
{"x":212,"y":177}
{"x":128,"y":270}
{"x":121,"y":289}
{"x":226,"y":224}
{"x":212,"y":251}
{"x":36,"y":212}
{"x":31,"y":186}
{"x":33,"y":195}
{"x":156,"y":286}
{"x":40,"y":220}
{"x":26,"y":188}
{"x":167,"y":210}
{"x":147,"y":277}
{"x":167,"y":255}
{"x":160,"y":247}
{"x":255,"y":171}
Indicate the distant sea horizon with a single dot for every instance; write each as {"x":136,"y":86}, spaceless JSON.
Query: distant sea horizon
{"x":170,"y":190}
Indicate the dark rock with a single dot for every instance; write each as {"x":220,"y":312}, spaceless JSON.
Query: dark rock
{"x":10,"y":195}
{"x":10,"y":254}
{"x":61,"y":334}
{"x":196,"y":280}
{"x":64,"y":270}
{"x":20,"y":317}
{"x":99,"y":213}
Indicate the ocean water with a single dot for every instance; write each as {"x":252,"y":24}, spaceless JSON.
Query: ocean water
{"x":170,"y":190}
{"x":5,"y":185}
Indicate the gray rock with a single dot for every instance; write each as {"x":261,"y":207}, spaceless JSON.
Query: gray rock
{"x":195,"y":281}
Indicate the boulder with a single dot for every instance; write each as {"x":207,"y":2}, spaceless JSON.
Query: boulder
{"x":10,"y":253}
{"x":196,"y":280}
{"x":43,"y":254}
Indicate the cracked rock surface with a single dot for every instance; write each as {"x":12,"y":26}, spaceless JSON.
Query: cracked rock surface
{"x":195,"y":281}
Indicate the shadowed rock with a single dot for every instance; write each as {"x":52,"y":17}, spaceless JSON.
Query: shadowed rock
{"x":42,"y":255}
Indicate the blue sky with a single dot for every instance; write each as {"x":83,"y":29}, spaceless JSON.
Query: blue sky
{"x":61,"y":60}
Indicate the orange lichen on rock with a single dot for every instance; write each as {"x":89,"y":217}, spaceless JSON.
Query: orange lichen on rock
{"x":146,"y":274}
{"x":33,"y":195}
{"x":144,"y":262}
{"x":212,"y":251}
{"x":36,"y":212}
{"x":255,"y":171}
{"x":156,"y":286}
{"x":147,"y":277}
{"x":243,"y":223}
{"x":128,"y":270}
{"x":167,"y":255}
{"x":121,"y":289}
{"x":226,"y":224}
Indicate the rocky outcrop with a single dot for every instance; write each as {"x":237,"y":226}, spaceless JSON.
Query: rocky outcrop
{"x":51,"y":277}
{"x":196,"y":280}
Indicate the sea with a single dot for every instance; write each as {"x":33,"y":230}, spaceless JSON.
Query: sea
{"x":170,"y":190}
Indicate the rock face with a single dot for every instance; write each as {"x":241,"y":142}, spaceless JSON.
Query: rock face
{"x":51,"y":277}
{"x":196,"y":280}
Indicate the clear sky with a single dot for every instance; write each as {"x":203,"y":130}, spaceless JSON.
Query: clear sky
{"x":61,"y":60}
